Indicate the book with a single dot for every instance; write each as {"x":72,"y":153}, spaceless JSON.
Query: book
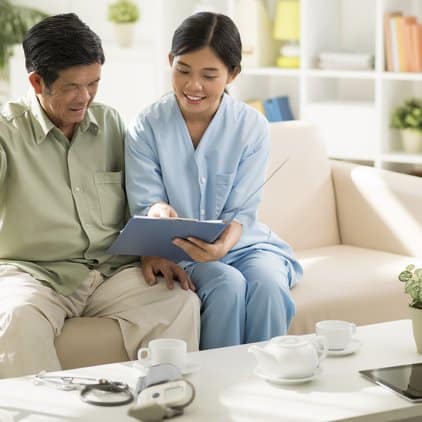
{"x":416,"y":40}
{"x":278,"y":109}
{"x":409,"y":49}
{"x":388,"y":46}
{"x":395,"y":60}
{"x":399,"y":23}
{"x":151,"y":236}
{"x":257,"y":105}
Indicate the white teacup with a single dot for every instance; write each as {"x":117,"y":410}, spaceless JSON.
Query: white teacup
{"x":339,"y":334}
{"x":164,"y":350}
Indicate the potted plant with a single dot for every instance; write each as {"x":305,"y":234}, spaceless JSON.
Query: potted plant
{"x":14,"y":23}
{"x":408,"y":118}
{"x":124,"y":14}
{"x":412,"y":277}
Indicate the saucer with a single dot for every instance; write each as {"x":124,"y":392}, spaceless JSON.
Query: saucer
{"x":279,"y":380}
{"x":352,"y":347}
{"x":189,"y":367}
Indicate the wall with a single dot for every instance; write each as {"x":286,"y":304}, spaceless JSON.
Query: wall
{"x":129,"y":81}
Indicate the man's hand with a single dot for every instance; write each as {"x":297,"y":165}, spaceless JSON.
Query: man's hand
{"x":154,"y":265}
{"x":201,"y":251}
{"x":162,"y":210}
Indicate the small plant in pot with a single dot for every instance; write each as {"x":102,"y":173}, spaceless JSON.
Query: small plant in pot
{"x":408,"y":119}
{"x":412,"y":277}
{"x":124,"y":14}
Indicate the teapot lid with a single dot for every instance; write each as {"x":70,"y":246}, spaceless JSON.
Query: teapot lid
{"x":289,"y":341}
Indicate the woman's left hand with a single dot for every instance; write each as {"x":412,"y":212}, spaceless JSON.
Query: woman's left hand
{"x":201,"y":251}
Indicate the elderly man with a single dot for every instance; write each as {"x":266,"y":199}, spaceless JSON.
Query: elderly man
{"x":62,"y":203}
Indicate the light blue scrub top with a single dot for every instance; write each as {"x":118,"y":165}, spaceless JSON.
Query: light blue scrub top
{"x":210,"y":182}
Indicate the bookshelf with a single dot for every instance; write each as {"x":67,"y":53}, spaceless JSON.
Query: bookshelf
{"x":353,"y":107}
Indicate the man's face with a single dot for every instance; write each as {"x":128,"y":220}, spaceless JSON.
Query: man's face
{"x":67,"y":99}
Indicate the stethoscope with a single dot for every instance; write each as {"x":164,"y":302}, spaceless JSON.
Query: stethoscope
{"x":98,"y":391}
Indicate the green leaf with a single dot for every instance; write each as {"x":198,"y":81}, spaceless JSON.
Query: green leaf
{"x":405,"y":275}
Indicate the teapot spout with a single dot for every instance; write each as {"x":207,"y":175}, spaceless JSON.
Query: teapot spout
{"x":264,"y":358}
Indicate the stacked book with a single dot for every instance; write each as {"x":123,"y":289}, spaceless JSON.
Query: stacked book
{"x":402,"y":42}
{"x":341,"y":60}
{"x":275,"y":109}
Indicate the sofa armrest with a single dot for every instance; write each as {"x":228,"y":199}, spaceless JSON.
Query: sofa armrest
{"x":378,"y":209}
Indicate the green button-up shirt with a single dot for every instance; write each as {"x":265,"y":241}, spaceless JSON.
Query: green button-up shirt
{"x":61,"y":203}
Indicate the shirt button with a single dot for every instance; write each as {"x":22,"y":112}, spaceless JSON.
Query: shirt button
{"x":203,"y":180}
{"x":88,"y":226}
{"x":202,"y":211}
{"x":77,"y":189}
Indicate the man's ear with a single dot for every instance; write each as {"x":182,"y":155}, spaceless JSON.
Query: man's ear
{"x":36,"y":81}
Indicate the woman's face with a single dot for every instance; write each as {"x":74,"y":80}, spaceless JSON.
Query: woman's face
{"x":199,"y":79}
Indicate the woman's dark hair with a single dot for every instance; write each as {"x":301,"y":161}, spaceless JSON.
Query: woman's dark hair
{"x":214,"y":30}
{"x":59,"y":42}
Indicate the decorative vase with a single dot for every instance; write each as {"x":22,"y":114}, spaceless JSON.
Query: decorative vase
{"x":416,"y":316}
{"x":125,"y":33}
{"x":411,"y":141}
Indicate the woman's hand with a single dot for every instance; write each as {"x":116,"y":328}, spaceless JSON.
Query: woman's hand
{"x":162,"y":210}
{"x":155,"y":265}
{"x":201,"y":251}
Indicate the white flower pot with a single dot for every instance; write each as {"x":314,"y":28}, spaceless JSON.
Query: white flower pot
{"x":125,"y":33}
{"x":411,"y":141}
{"x":416,"y":316}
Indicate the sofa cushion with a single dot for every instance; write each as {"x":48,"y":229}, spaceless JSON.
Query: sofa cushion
{"x":379,"y":209}
{"x":90,"y":341}
{"x":349,"y":283}
{"x":298,"y":202}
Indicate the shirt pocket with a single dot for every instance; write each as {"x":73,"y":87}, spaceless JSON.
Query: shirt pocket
{"x":223,"y":185}
{"x":111,"y":196}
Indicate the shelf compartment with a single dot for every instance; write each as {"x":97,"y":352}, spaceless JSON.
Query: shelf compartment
{"x":348,"y":129}
{"x":263,"y":86}
{"x":338,"y":25}
{"x":393,"y":93}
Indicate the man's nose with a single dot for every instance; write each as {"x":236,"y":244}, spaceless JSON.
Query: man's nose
{"x":84,"y":94}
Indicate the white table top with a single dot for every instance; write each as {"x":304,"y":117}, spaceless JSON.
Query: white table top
{"x":228,"y":390}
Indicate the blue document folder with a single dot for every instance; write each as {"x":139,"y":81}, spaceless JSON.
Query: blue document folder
{"x":146,"y":236}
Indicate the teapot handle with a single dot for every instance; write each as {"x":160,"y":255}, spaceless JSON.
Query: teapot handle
{"x":321,"y":346}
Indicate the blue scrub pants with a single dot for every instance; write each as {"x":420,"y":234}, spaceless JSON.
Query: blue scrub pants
{"x":244,"y":302}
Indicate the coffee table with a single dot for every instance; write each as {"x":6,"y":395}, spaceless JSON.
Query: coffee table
{"x":228,"y":390}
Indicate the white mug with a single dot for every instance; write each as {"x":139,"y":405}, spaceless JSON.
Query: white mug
{"x":338,"y":333}
{"x":164,"y":350}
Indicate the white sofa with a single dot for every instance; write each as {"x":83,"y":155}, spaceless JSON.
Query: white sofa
{"x":353,"y":229}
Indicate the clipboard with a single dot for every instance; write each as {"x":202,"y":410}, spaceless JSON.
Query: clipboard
{"x":152,"y":236}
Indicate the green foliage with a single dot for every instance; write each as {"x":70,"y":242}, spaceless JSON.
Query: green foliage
{"x":123,"y":11}
{"x":14,"y":23}
{"x":413,"y":284}
{"x":408,"y":115}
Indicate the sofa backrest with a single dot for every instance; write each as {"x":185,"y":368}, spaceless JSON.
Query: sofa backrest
{"x":298,"y":202}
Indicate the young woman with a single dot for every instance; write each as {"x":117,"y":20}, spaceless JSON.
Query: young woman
{"x":200,"y":153}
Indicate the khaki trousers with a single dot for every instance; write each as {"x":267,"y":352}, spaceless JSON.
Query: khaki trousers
{"x":32,"y":314}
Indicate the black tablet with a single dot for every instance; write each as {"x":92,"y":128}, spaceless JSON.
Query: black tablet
{"x":405,"y":380}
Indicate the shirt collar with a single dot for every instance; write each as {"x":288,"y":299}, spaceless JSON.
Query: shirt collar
{"x":43,"y":125}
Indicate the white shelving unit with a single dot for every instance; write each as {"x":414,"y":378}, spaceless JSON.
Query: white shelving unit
{"x":353,"y":108}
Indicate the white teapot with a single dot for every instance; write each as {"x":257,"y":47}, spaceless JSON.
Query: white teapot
{"x":291,"y":356}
